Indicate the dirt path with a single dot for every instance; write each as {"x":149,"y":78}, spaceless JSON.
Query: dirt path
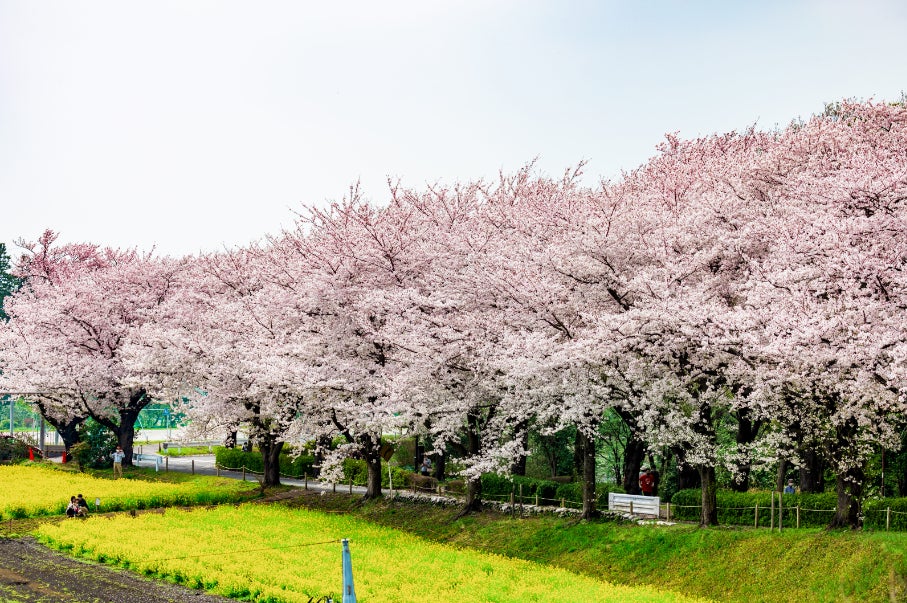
{"x":31,"y":573}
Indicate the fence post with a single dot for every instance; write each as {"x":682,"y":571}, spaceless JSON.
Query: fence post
{"x":351,"y":485}
{"x":193,"y":466}
{"x":798,"y":516}
{"x":166,"y":464}
{"x":521,"y":500}
{"x":306,"y":480}
{"x":887,"y":518}
{"x":756,"y":520}
{"x":563,"y":503}
{"x":218,"y":469}
{"x":349,"y":590}
{"x":244,"y":472}
{"x":536,"y":499}
{"x":669,"y":510}
{"x":334,"y":487}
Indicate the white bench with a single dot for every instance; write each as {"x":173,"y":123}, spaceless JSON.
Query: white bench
{"x":637,"y":505}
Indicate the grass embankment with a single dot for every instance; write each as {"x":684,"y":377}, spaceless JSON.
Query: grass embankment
{"x":724,"y":564}
{"x":36,"y":490}
{"x":275,"y":554}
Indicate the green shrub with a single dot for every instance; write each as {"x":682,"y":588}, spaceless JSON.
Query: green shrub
{"x":572,"y":494}
{"x":235,"y":458}
{"x":96,"y":444}
{"x":876,"y":511}
{"x":739,"y":508}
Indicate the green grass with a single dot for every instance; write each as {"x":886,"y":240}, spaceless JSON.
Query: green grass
{"x":724,"y":564}
{"x":269,"y":553}
{"x":187,"y":450}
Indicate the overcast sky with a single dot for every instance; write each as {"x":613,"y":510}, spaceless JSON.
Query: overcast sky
{"x":190,"y":126}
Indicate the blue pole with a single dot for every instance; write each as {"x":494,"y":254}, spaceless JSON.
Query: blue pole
{"x":349,"y":591}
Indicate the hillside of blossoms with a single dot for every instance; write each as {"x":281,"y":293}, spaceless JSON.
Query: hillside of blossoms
{"x":752,"y":283}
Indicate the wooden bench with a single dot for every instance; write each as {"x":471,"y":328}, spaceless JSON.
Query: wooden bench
{"x":636,"y":505}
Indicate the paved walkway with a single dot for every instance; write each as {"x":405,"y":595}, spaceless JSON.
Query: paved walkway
{"x":203,"y":464}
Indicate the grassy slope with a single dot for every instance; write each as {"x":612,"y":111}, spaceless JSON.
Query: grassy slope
{"x":725,"y":564}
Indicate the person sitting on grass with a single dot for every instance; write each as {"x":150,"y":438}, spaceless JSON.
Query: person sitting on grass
{"x":83,"y":505}
{"x":73,"y":509}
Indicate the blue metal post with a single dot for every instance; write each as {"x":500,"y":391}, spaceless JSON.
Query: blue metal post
{"x":349,"y":591}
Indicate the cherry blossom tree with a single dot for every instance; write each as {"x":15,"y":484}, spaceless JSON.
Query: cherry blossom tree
{"x":81,"y":305}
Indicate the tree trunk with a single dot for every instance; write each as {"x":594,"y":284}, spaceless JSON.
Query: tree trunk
{"x":270,"y":458}
{"x":473,"y":497}
{"x":849,"y":488}
{"x":440,"y":462}
{"x":709,"y":497}
{"x":781,"y":478}
{"x":373,"y":466}
{"x":67,"y":428}
{"x":230,"y":440}
{"x":812,"y":473}
{"x":747,"y":430}
{"x":518,"y":467}
{"x":634,"y":453}
{"x":128,"y":414}
{"x":473,"y":444}
{"x":587,"y":446}
{"x":687,"y":476}
{"x":322,"y":443}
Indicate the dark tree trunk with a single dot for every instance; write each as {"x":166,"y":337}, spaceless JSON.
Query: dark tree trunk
{"x":440,"y":464}
{"x":230,"y":440}
{"x":67,"y":428}
{"x":849,"y":488}
{"x":473,"y":497}
{"x":781,"y":478}
{"x":634,"y":453}
{"x":587,"y":446}
{"x":812,"y":473}
{"x":373,"y":486}
{"x":519,"y":465}
{"x":747,"y":430}
{"x":687,"y":476}
{"x":473,"y":444}
{"x":709,"y":497}
{"x":270,"y":458}
{"x":322,"y":444}
{"x":128,"y":414}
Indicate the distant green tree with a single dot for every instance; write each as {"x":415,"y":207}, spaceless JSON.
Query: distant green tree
{"x":8,"y":283}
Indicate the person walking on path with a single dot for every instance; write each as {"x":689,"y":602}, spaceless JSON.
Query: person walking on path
{"x":118,"y":456}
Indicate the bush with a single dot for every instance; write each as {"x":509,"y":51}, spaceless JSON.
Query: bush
{"x":235,"y":458}
{"x":739,"y":508}
{"x":96,"y":443}
{"x":572,"y":494}
{"x":12,"y":449}
{"x":876,"y":511}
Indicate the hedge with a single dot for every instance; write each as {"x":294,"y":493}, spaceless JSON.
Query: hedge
{"x":875,"y":512}
{"x":235,"y":458}
{"x":550,"y":493}
{"x":739,"y":508}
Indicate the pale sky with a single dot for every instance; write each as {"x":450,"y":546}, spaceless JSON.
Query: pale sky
{"x":191,"y":126}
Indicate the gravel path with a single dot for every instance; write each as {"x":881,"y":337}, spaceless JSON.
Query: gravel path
{"x":31,"y":573}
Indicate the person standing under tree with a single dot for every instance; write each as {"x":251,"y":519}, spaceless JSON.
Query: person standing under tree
{"x":647,"y":482}
{"x":118,"y":456}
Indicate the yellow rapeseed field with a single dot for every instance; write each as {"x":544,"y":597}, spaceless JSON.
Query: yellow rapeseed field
{"x":35,"y":490}
{"x":277,"y":554}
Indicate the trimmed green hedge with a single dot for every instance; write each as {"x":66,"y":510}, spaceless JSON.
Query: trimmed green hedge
{"x":358,"y":471}
{"x":739,"y":508}
{"x":875,"y":512}
{"x":235,"y":458}
{"x":550,"y":493}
